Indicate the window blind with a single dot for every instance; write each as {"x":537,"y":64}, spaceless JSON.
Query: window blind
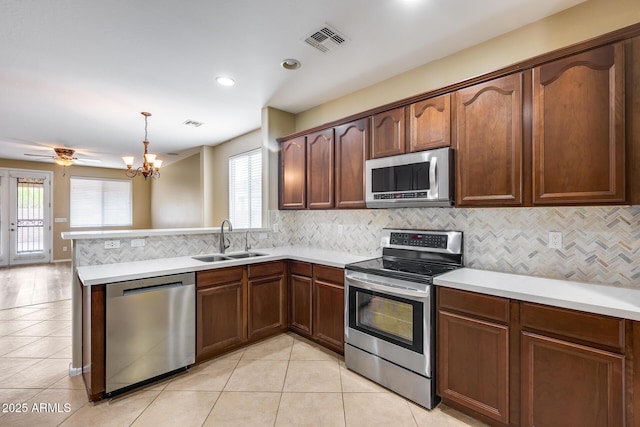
{"x":245,"y":189}
{"x":100,"y":202}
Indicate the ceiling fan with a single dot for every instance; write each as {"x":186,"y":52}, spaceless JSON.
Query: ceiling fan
{"x":63,"y":157}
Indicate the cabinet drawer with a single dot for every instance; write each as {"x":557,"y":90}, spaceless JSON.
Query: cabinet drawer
{"x":265,"y":269}
{"x":328,"y":274}
{"x":487,"y":306}
{"x":595,"y":328}
{"x":300,"y":268}
{"x":219,"y":276}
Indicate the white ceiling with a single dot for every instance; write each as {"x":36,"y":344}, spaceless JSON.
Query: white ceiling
{"x":77,"y":73}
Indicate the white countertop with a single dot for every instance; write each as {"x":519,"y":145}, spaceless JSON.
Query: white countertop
{"x":600,"y":299}
{"x":109,"y":273}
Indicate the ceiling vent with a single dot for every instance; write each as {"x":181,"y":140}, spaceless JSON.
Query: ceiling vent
{"x":325,"y":39}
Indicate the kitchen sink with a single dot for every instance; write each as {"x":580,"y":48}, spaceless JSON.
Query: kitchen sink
{"x":244,"y":255}
{"x":211,"y":258}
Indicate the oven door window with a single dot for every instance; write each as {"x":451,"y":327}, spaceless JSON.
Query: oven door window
{"x":387,"y":317}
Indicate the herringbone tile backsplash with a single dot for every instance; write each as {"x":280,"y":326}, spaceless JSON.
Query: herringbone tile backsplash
{"x":600,"y":244}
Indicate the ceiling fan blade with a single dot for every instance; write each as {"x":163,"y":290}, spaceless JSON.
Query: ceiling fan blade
{"x":39,"y":155}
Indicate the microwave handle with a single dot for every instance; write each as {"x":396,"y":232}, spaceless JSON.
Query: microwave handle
{"x":432,"y":176}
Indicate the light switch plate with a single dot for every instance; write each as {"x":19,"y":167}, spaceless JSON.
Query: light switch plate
{"x":137,"y":243}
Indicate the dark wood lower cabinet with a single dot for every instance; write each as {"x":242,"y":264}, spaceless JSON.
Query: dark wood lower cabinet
{"x":220,"y":311}
{"x":515,"y":363}
{"x":474,"y":364}
{"x":267,"y":306}
{"x":566,"y":384}
{"x":328,"y":307}
{"x":316,"y":303}
{"x":301,"y":302}
{"x":93,"y":339}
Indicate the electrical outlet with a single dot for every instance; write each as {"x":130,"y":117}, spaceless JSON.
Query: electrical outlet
{"x":555,"y":240}
{"x":112,"y":244}
{"x":276,"y":228}
{"x":137,"y":243}
{"x":340,"y":229}
{"x":65,"y":249}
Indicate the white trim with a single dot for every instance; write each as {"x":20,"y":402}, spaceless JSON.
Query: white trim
{"x":48,"y":212}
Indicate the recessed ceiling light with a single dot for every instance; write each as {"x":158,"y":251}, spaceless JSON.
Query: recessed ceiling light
{"x":290,"y":64}
{"x":225,"y":81}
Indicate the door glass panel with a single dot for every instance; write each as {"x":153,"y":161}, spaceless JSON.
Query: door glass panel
{"x":29,"y":216}
{"x":388,"y":317}
{"x":391,"y":318}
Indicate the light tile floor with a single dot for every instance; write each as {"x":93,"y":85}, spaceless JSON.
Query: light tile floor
{"x":283,"y":381}
{"x":24,"y":285}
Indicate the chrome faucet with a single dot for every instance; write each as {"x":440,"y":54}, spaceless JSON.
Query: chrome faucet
{"x":247,"y":246}
{"x":223,"y":242}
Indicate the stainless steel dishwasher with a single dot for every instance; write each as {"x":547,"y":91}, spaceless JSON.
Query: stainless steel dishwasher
{"x":150,"y":329}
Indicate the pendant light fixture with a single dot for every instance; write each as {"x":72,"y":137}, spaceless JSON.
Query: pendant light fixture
{"x":150,"y":165}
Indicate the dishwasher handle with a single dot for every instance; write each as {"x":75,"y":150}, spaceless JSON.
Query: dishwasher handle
{"x":155,"y":288}
{"x":150,"y":284}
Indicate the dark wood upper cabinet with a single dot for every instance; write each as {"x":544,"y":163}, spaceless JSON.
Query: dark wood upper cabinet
{"x":430,"y":123}
{"x":352,"y":150}
{"x":388,"y":133}
{"x":320,"y":173}
{"x":293,"y":156}
{"x":578,"y":129}
{"x":489,"y":143}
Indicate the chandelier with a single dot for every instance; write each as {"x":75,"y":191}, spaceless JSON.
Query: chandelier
{"x":150,"y":165}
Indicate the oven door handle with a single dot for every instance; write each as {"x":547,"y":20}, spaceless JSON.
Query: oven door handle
{"x":387,"y":289}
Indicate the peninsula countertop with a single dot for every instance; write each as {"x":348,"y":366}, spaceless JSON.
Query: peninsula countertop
{"x":109,"y":273}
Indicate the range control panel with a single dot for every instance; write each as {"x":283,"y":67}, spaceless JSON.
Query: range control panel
{"x":448,"y":242}
{"x":422,"y":240}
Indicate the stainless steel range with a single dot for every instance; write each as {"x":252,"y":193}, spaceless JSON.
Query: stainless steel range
{"x":390,"y":310}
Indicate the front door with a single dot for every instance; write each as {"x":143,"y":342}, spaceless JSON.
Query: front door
{"x":25,"y":217}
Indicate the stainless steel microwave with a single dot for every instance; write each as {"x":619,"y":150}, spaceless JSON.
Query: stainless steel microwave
{"x":417,"y":179}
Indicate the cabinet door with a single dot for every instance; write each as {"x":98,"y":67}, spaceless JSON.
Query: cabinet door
{"x":578,"y":119}
{"x":301,"y":303}
{"x":489,"y":143}
{"x":320,"y":164}
{"x":220,"y":323}
{"x":293,"y":184}
{"x":267,"y":306}
{"x":473,"y":364}
{"x":352,"y":150}
{"x":429,"y":123}
{"x":387,"y":135}
{"x":328,"y":308}
{"x":565,"y":384}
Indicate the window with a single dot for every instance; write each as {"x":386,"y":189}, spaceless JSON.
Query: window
{"x":100,"y":202}
{"x":245,"y":189}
